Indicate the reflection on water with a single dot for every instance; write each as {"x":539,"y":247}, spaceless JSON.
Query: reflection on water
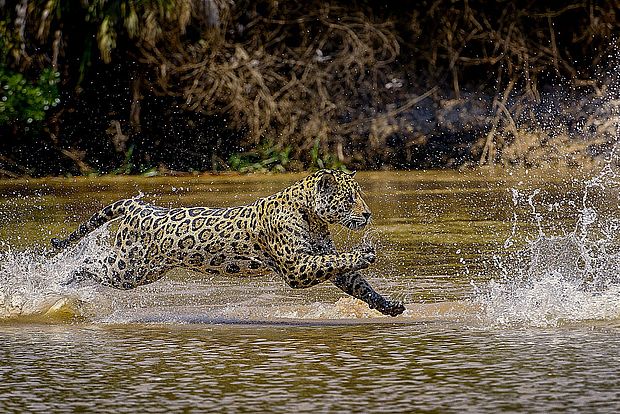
{"x":542,"y":336}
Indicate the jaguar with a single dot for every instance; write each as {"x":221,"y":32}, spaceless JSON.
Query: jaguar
{"x":287,"y":233}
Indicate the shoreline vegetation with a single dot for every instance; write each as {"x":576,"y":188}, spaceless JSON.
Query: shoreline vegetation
{"x":164,"y":86}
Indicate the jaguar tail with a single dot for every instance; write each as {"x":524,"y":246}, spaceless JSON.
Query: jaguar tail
{"x":108,"y":213}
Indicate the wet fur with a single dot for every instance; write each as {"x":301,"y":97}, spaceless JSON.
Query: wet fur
{"x":286,"y":233}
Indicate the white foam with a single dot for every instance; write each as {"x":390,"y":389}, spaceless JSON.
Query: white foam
{"x":31,"y":281}
{"x":573,"y":277}
{"x":548,"y":301}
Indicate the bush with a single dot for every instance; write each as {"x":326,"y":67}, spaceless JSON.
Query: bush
{"x":23,"y":102}
{"x":287,"y":85}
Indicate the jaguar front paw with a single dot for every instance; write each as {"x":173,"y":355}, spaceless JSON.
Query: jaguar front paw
{"x":391,"y":308}
{"x":367,"y":256}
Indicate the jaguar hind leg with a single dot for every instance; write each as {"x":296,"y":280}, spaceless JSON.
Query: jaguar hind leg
{"x":84,"y":273}
{"x":127,"y":273}
{"x":123,"y":272}
{"x":79,"y":276}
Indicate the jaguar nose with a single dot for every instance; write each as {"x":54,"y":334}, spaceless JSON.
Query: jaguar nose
{"x":366,"y":215}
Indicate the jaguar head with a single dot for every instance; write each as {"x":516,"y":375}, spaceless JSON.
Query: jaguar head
{"x":338,"y":199}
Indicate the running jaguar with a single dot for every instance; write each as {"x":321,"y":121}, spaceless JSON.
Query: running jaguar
{"x":287,"y":233}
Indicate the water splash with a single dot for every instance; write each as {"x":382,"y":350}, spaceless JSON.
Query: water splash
{"x":33,"y":288}
{"x":569,"y":276}
{"x":32,"y":282}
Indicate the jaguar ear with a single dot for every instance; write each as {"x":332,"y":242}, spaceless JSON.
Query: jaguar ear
{"x":352,"y":173}
{"x":327,"y":182}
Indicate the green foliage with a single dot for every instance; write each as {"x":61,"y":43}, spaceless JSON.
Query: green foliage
{"x":269,"y":158}
{"x":24,"y":101}
{"x":319,"y":161}
{"x":263,"y":159}
{"x":130,"y":166}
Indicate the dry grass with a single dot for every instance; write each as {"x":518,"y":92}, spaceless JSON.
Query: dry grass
{"x":290,"y":76}
{"x":524,"y":46}
{"x":328,"y":72}
{"x":370,"y":84}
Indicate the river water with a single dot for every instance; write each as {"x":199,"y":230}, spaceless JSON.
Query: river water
{"x":510,"y":283}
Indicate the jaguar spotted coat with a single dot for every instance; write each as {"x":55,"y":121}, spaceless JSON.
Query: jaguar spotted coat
{"x":286,"y":233}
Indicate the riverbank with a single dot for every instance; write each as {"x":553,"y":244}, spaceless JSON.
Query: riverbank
{"x":188,"y":85}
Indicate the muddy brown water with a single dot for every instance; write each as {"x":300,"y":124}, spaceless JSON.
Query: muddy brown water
{"x":198,"y":343}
